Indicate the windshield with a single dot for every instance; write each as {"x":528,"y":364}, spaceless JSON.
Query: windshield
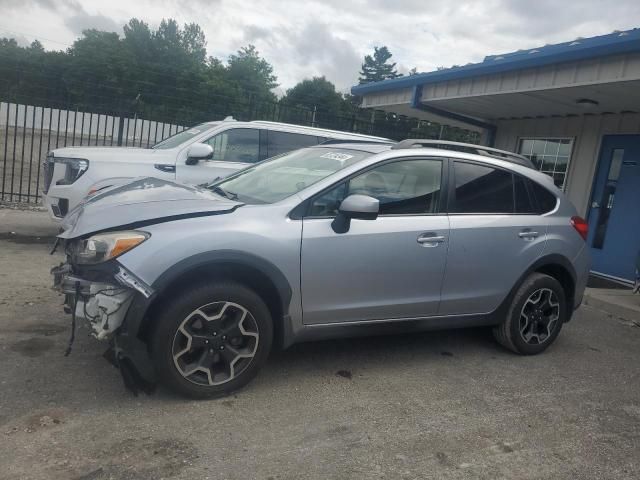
{"x":181,"y":137}
{"x":281,"y":177}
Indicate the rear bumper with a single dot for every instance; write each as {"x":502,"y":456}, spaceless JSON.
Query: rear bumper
{"x":582,"y":265}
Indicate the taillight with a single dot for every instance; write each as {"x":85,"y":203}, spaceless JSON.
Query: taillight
{"x":581,"y":226}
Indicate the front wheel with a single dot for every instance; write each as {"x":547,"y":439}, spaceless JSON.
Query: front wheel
{"x":535,"y":317}
{"x":211,"y":340}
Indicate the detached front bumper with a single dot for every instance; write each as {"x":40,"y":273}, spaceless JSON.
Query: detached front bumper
{"x":112,"y":301}
{"x":102,"y":305}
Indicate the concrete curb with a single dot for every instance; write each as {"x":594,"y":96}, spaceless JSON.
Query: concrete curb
{"x":26,"y":223}
{"x":620,"y":303}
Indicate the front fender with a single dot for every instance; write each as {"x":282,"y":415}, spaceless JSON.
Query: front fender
{"x":212,"y":260}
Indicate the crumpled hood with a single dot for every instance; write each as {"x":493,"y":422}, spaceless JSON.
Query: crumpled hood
{"x":143,"y":201}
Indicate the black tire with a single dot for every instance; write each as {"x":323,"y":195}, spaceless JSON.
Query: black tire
{"x":508,"y":333}
{"x":176,"y":310}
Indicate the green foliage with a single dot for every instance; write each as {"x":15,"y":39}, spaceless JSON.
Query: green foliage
{"x":165,"y":75}
{"x":375,"y":68}
{"x":251,"y":73}
{"x":318,"y":93}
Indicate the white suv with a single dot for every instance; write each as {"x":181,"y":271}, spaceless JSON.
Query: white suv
{"x":195,"y":156}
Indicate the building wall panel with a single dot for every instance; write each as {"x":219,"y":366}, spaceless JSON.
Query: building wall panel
{"x":586,"y":131}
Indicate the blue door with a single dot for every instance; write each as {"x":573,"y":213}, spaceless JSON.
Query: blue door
{"x":614,"y":218}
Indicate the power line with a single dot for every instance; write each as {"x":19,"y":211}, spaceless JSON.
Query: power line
{"x":25,"y":34}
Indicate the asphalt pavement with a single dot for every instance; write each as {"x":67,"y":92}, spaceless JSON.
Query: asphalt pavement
{"x":449,"y":404}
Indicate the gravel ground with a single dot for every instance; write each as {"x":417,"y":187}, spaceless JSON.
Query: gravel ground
{"x":435,"y":405}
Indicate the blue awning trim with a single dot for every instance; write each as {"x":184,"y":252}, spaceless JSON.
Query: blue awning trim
{"x":579,"y":49}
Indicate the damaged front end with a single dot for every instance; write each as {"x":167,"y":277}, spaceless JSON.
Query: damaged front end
{"x":111,"y":300}
{"x":102,"y":305}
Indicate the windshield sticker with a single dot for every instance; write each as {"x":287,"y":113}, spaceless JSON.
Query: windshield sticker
{"x":337,"y":156}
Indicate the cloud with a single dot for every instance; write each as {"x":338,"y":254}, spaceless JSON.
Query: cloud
{"x":54,"y":5}
{"x":21,"y":40}
{"x":84,"y":21}
{"x":330,"y":37}
{"x":254,"y":32}
{"x":317,"y":51}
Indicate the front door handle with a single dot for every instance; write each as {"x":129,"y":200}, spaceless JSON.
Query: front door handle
{"x":528,"y":234}
{"x":430,"y":239}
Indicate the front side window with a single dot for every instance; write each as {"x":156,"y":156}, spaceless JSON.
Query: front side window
{"x":480,"y":189}
{"x":236,"y":145}
{"x":403,"y":188}
{"x":278,"y":178}
{"x":282,"y":142}
{"x":183,"y":136}
{"x":549,"y":155}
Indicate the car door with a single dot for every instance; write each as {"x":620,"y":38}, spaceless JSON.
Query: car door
{"x":495,"y":235}
{"x":387,"y":268}
{"x":233,"y":149}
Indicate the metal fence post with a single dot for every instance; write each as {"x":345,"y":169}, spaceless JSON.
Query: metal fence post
{"x":120,"y":128}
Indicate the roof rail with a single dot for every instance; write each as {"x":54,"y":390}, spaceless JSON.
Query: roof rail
{"x":337,"y":141}
{"x":467,"y":148}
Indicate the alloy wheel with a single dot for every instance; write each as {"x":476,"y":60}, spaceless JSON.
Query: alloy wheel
{"x":215,"y":343}
{"x":539,"y":316}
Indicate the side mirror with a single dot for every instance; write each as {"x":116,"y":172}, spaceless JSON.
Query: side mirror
{"x":359,"y":207}
{"x":197,"y":152}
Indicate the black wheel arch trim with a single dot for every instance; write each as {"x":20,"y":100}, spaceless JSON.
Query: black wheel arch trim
{"x":550,"y":260}
{"x":140,"y":305}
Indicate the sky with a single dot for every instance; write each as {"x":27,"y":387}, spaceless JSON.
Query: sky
{"x":307,"y":38}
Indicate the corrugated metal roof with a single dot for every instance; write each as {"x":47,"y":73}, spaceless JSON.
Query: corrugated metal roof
{"x":578,"y":49}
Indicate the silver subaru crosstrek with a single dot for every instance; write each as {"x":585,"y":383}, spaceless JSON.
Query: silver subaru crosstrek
{"x":192,"y":287}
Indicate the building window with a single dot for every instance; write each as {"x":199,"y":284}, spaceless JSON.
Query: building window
{"x":549,"y":155}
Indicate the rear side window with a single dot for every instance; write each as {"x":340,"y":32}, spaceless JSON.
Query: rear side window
{"x":525,"y":203}
{"x":480,"y":189}
{"x":283,"y":142}
{"x":545,"y":199}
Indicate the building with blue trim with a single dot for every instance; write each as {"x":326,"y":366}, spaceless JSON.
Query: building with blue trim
{"x":573,"y":108}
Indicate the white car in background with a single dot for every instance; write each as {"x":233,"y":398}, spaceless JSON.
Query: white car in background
{"x":194,"y":156}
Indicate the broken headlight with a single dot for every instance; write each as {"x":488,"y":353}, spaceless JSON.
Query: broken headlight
{"x":75,"y":168}
{"x":105,"y":246}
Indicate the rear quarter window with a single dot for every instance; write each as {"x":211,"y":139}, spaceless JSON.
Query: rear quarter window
{"x":546,"y":201}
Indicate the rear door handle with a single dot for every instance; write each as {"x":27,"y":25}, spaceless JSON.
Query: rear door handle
{"x":430,"y":239}
{"x":528,"y":234}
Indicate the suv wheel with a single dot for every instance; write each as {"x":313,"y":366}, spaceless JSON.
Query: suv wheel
{"x":211,"y":340}
{"x":535,"y":316}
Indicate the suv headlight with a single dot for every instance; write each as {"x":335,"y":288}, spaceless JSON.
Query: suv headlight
{"x":105,"y":246}
{"x":75,"y":169}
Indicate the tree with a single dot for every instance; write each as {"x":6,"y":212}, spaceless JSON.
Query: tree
{"x":193,"y":42}
{"x":317,"y":92}
{"x":252,"y":74}
{"x":375,"y":68}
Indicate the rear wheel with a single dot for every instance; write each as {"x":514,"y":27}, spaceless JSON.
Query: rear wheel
{"x":212,"y":340}
{"x":535,"y":316}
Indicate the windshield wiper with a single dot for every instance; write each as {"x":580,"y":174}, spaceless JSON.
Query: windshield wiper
{"x":224,"y":193}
